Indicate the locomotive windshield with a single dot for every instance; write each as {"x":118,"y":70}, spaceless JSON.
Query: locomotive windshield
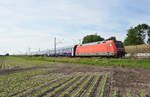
{"x":119,"y":44}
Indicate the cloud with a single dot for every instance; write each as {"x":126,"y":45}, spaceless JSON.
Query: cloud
{"x":34,"y":23}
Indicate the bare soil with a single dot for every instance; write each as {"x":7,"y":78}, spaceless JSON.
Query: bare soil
{"x":123,"y":78}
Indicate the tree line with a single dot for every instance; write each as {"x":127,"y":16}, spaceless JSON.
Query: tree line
{"x":137,"y":35}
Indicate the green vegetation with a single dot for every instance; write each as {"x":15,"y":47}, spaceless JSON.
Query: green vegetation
{"x":67,"y":91}
{"x":91,"y":89}
{"x":143,"y":94}
{"x":22,"y":75}
{"x":36,"y":77}
{"x":104,"y":86}
{"x":63,"y":86}
{"x":3,"y":64}
{"x":42,"y":82}
{"x":129,"y":94}
{"x":92,"y":38}
{"x":95,"y":38}
{"x":145,"y":63}
{"x":115,"y":93}
{"x":75,"y":94}
{"x":137,"y":35}
{"x":16,"y":82}
{"x":44,"y":91}
{"x":112,"y":38}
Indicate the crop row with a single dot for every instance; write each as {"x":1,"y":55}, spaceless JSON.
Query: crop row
{"x":93,"y":87}
{"x":82,"y":86}
{"x":58,"y":85}
{"x":63,"y":86}
{"x":39,"y":83}
{"x":44,"y":91}
{"x":14,"y":84}
{"x":3,"y":65}
{"x":74,"y":86}
{"x":104,"y":86}
{"x":129,"y":94}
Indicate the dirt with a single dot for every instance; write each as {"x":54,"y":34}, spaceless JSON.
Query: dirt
{"x":123,"y":78}
{"x":75,"y":88}
{"x":132,"y":79}
{"x":52,"y":89}
{"x":67,"y":86}
{"x":85,"y":89}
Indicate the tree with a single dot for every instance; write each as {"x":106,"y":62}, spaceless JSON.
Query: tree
{"x":131,"y":37}
{"x":7,"y":54}
{"x":148,"y":41}
{"x":112,"y":38}
{"x":92,"y":38}
{"x":137,"y":34}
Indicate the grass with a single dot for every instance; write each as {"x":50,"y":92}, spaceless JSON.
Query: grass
{"x":144,"y":63}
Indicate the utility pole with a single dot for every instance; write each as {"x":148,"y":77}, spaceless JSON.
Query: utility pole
{"x":80,"y":41}
{"x":55,"y":45}
{"x":29,"y":50}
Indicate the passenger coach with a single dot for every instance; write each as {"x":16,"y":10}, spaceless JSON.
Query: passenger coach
{"x":65,"y":51}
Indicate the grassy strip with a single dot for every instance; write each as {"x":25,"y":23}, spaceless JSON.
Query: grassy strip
{"x":43,"y":91}
{"x":82,"y":86}
{"x":91,"y":89}
{"x":23,"y":62}
{"x":62,"y":86}
{"x":67,"y":91}
{"x":143,"y":94}
{"x":104,"y":84}
{"x":96,"y":61}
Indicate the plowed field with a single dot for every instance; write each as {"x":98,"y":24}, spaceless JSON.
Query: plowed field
{"x":73,"y":80}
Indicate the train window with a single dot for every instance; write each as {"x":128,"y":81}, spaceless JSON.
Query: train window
{"x":110,"y":44}
{"x":104,"y":41}
{"x":119,"y":44}
{"x":98,"y":42}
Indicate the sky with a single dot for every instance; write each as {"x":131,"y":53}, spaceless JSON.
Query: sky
{"x":30,"y":25}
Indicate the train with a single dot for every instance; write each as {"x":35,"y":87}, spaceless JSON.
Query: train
{"x":107,"y":48}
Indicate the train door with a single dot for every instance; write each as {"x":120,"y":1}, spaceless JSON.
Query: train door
{"x":74,"y":50}
{"x":107,"y":49}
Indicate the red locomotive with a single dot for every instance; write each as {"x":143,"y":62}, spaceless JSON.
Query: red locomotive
{"x":108,"y":48}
